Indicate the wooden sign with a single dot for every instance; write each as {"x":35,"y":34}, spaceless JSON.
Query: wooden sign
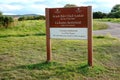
{"x":69,"y":23}
{"x":68,"y":17}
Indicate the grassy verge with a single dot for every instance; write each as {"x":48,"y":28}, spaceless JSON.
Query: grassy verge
{"x":115,"y":20}
{"x":97,"y":25}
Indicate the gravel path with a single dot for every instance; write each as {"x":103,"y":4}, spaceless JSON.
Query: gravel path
{"x":114,"y":30}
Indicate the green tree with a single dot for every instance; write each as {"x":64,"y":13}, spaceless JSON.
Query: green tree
{"x":115,"y":12}
{"x":70,"y":5}
{"x":116,"y":8}
{"x":99,"y":15}
{"x":22,"y":18}
{"x":5,"y":21}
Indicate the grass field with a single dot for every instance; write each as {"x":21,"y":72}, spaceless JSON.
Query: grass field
{"x":115,"y":20}
{"x":99,"y":25}
{"x":23,"y":56}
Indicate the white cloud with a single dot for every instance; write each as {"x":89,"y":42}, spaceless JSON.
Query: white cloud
{"x":61,"y":3}
{"x":7,"y":7}
{"x":9,"y":14}
{"x":42,"y":6}
{"x":72,"y":1}
{"x":39,"y":8}
{"x":20,"y":1}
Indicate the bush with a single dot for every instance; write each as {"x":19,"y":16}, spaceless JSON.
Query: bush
{"x":31,"y":18}
{"x":5,"y":21}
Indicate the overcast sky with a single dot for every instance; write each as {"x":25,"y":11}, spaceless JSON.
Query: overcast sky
{"x":38,"y":6}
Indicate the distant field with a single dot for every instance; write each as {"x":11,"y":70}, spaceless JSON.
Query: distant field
{"x":23,"y":56}
{"x":116,"y":20}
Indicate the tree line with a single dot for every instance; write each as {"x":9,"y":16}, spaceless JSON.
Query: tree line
{"x":39,"y":17}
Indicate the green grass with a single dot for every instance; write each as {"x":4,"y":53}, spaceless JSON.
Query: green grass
{"x":24,"y":28}
{"x":35,"y":27}
{"x":97,"y":25}
{"x":24,"y":57}
{"x":115,"y":20}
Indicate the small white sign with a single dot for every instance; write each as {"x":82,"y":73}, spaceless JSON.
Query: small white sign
{"x":68,"y":33}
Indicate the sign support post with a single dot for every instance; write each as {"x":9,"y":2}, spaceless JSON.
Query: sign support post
{"x":90,"y":36}
{"x":48,"y":40}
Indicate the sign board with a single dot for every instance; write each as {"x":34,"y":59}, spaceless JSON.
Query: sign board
{"x":69,"y":23}
{"x":68,"y":17}
{"x":68,"y":33}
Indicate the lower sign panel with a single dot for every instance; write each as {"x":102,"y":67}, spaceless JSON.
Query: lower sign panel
{"x":68,"y":33}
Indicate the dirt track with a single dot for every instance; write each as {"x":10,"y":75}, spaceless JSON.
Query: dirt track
{"x":114,"y":30}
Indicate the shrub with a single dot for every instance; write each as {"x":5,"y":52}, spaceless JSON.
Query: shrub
{"x":40,"y":17}
{"x":5,"y":21}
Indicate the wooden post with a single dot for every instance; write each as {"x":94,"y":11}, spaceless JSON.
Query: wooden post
{"x":90,"y":36}
{"x":48,"y":41}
